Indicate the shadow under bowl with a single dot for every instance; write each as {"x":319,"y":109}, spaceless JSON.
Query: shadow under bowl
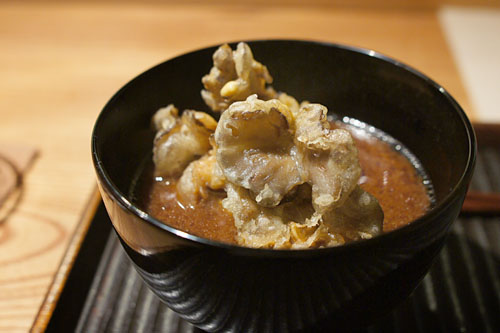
{"x":219,"y":286}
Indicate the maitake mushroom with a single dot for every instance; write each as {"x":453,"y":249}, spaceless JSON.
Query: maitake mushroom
{"x":329,"y":157}
{"x":255,"y":149}
{"x":200,"y":175}
{"x":291,"y":180}
{"x":235,"y":76}
{"x":180,"y":140}
{"x":264,"y":148}
{"x":267,"y":154}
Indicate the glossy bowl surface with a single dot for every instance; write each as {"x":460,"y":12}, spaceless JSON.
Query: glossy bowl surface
{"x":219,"y":286}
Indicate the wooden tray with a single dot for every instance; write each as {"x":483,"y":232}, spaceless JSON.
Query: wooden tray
{"x":96,"y":288}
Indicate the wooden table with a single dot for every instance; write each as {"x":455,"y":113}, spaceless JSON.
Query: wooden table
{"x":60,"y":63}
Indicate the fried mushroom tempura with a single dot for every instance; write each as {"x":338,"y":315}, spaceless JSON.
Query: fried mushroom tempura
{"x":266,"y":152}
{"x":329,"y":157}
{"x":264,"y":148}
{"x":291,"y":180}
{"x":235,"y":76}
{"x":255,"y":149}
{"x":199,"y":176}
{"x":180,"y":140}
{"x":360,"y":217}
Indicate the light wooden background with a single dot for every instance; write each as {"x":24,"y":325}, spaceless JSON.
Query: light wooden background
{"x":60,"y":63}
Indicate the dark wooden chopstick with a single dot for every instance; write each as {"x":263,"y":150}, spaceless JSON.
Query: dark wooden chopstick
{"x":481,"y":203}
{"x":477,"y":202}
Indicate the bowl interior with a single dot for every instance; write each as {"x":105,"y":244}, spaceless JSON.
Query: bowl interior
{"x":351,"y":82}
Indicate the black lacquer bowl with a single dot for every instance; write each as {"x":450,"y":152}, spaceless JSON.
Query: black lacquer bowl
{"x":224,"y":287}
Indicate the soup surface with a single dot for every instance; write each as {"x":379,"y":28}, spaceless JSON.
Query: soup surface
{"x":387,"y":173}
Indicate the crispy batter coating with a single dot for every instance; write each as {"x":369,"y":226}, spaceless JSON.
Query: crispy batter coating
{"x":257,"y":226}
{"x":180,"y":140}
{"x":264,"y":148}
{"x":270,"y":156}
{"x":235,"y":76}
{"x":290,"y":179}
{"x":329,"y":156}
{"x":255,"y":149}
{"x":360,"y":217}
{"x":200,"y":175}
{"x":295,"y":224}
{"x":165,"y":118}
{"x":290,"y":102}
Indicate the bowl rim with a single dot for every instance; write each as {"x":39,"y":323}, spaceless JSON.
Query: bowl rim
{"x":121,"y":199}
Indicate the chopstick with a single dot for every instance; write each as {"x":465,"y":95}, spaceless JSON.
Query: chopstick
{"x":481,"y":203}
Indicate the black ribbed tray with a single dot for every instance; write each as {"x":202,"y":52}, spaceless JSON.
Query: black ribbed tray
{"x":103,"y":293}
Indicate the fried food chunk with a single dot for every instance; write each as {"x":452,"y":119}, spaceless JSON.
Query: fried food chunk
{"x":165,"y":118}
{"x":180,"y":140}
{"x":329,"y":156}
{"x":289,"y":101}
{"x":264,"y":148}
{"x":235,"y":76}
{"x":257,"y":226}
{"x":273,"y":158}
{"x":200,"y":175}
{"x":291,"y":180}
{"x":295,"y":225}
{"x":255,"y":149}
{"x":360,"y":217}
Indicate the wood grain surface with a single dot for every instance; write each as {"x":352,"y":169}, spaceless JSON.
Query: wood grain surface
{"x":60,"y":63}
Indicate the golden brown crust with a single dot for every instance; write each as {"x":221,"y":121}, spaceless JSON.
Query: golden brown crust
{"x":267,"y":153}
{"x":291,"y":180}
{"x":254,"y":142}
{"x":180,"y":140}
{"x":235,"y":76}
